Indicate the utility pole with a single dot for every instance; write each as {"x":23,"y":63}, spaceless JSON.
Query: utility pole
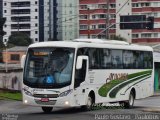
{"x":107,"y":19}
{"x":88,"y":10}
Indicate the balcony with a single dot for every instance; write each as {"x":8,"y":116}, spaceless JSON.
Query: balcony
{"x":20,"y":11}
{"x":20,"y":26}
{"x":20,"y":4}
{"x":21,"y":19}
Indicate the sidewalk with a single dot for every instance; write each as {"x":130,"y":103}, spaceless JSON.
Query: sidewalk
{"x":157,"y":93}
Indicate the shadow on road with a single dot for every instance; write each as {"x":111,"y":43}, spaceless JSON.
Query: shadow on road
{"x":79,"y":110}
{"x":62,"y":111}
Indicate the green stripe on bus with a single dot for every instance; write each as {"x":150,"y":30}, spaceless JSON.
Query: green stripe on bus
{"x":114,"y":92}
{"x":103,"y":91}
{"x":136,"y":83}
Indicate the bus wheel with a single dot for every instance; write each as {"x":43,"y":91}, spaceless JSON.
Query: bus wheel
{"x":47,"y":109}
{"x":130,"y":102}
{"x":89,"y":104}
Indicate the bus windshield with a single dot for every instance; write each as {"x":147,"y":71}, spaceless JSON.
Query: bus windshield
{"x":49,"y":67}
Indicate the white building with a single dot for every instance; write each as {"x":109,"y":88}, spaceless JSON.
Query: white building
{"x":67,"y":19}
{"x":21,"y":16}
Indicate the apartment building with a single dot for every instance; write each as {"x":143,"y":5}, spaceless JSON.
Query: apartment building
{"x":148,"y":8}
{"x":42,"y":20}
{"x":93,"y":18}
{"x":94,"y":13}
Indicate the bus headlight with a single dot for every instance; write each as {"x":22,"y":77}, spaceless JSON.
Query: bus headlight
{"x":65,"y":93}
{"x":27,"y":92}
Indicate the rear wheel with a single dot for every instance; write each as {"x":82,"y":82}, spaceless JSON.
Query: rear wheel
{"x":47,"y":109}
{"x":130,"y":102}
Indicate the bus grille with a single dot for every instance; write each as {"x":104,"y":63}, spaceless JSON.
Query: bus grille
{"x":51,"y":102}
{"x":45,"y":95}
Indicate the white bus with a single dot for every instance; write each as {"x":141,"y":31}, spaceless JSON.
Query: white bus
{"x":86,"y":72}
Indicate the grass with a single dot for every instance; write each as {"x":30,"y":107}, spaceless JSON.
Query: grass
{"x":13,"y":96}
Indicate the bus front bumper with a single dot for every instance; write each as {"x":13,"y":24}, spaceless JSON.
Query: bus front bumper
{"x":62,"y":102}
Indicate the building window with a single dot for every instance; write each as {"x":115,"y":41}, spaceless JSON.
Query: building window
{"x":93,"y":26}
{"x":135,"y":36}
{"x":112,"y":16}
{"x":135,"y":5}
{"x":112,"y":5}
{"x":102,"y":6}
{"x":5,"y":11}
{"x":83,"y":27}
{"x":36,"y":10}
{"x":36,"y":39}
{"x":101,"y":26}
{"x":155,"y":35}
{"x":36,"y":25}
{"x":83,"y":17}
{"x":36,"y":2}
{"x":83,"y":7}
{"x":146,"y":35}
{"x":36,"y":32}
{"x":36,"y":17}
{"x":102,"y":16}
{"x":15,"y":57}
{"x":5,"y":4}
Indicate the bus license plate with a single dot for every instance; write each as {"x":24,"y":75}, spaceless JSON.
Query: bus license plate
{"x":44,"y":99}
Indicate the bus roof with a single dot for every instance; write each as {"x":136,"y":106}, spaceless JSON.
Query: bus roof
{"x":78,"y":44}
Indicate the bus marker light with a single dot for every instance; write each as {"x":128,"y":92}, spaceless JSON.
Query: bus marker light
{"x":25,"y":101}
{"x":66,"y":103}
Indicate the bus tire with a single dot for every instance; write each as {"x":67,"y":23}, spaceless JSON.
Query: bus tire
{"x":130,"y":102}
{"x":47,"y":109}
{"x":89,"y":104}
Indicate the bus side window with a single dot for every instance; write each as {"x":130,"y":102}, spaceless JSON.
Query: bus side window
{"x":80,"y":75}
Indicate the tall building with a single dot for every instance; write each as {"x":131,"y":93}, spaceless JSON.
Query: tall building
{"x":24,"y":16}
{"x":42,"y":20}
{"x":66,"y":23}
{"x":93,"y":13}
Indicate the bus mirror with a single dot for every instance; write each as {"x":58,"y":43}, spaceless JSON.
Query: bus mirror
{"x":23,"y":58}
{"x":79,"y":62}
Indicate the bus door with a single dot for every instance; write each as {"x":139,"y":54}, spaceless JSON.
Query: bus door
{"x":80,"y":80}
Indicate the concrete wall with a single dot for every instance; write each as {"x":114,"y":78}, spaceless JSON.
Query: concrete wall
{"x":11,"y":80}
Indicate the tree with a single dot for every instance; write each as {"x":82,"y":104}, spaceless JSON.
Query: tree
{"x":118,"y":38}
{"x":20,"y":39}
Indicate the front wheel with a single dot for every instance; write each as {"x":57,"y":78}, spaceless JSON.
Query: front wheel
{"x":129,"y":103}
{"x":47,"y":109}
{"x":89,"y":104}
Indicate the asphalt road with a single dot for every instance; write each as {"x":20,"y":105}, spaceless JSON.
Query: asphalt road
{"x":17,"y":111}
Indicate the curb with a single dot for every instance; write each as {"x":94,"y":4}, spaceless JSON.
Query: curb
{"x":155,"y":110}
{"x":155,"y":95}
